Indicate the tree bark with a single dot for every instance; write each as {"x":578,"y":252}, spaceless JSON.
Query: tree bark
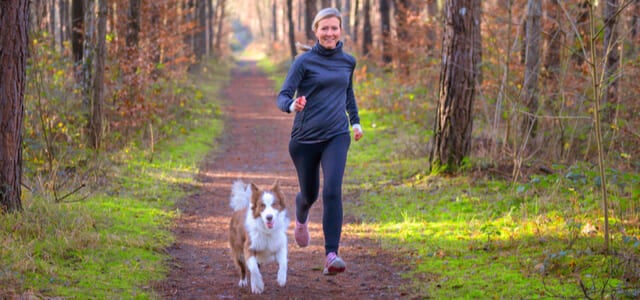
{"x":356,"y":21}
{"x":310,"y":12}
{"x":385,"y":28}
{"x":14,"y":40}
{"x":133,"y":25}
{"x":612,"y":56}
{"x":403,"y":10}
{"x":95,"y":119}
{"x":367,"y":35}
{"x":77,"y":31}
{"x":529,"y":94}
{"x":221,"y":16}
{"x":454,"y":118}
{"x":346,"y":17}
{"x":554,"y":43}
{"x":274,"y":20}
{"x":200,"y":34}
{"x":292,"y":35}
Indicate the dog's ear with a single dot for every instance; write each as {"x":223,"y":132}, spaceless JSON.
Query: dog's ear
{"x":278,"y":193}
{"x":255,"y":194}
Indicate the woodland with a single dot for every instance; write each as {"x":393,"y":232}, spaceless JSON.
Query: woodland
{"x":538,"y":95}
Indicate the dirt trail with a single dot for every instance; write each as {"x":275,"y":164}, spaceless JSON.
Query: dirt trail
{"x":254,"y":148}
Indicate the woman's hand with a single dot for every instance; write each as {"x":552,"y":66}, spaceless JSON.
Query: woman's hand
{"x":299,"y":103}
{"x":357,"y":133}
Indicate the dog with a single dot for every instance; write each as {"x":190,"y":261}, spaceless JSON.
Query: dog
{"x":257,"y":232}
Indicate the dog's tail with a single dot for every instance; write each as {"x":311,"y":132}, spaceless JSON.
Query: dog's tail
{"x":240,"y":195}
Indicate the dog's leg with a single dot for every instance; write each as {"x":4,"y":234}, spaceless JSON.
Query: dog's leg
{"x":242,"y":267}
{"x":257,"y":285}
{"x":281,"y":257}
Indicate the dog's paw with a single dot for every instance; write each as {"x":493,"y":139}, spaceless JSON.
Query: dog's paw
{"x":282,"y":281}
{"x":242,"y":282}
{"x":257,"y":286}
{"x":282,"y":278}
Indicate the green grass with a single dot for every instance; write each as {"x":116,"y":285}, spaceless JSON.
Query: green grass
{"x":112,"y":243}
{"x":473,"y":237}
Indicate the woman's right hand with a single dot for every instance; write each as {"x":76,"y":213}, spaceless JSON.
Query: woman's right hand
{"x":300,"y":103}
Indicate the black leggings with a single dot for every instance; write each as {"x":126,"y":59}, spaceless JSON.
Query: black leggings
{"x":332,"y":156}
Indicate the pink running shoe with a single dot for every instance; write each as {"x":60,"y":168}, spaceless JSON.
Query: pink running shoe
{"x":334,"y":264}
{"x":301,"y":233}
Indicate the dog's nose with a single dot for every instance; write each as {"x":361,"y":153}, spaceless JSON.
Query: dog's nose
{"x":269,"y":217}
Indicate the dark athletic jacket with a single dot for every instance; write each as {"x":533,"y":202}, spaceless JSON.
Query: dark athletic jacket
{"x":324,"y":77}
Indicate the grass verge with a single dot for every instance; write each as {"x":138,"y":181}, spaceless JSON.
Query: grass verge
{"x":112,"y":243}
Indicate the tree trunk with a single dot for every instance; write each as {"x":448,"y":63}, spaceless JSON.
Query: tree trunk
{"x":310,"y":13}
{"x":454,"y":122}
{"x":77,"y":32}
{"x":200,"y":34}
{"x":612,"y":56}
{"x":95,"y":119}
{"x":64,"y":22}
{"x":292,"y":35}
{"x":210,"y":14}
{"x":221,"y":17}
{"x":554,"y":43}
{"x":582,"y":24}
{"x":529,"y":94}
{"x":367,"y":35}
{"x":477,"y":42}
{"x":403,"y":10}
{"x":356,"y":21}
{"x":14,"y":40}
{"x":385,"y":28}
{"x":325,"y":3}
{"x":274,"y":20}
{"x":133,"y":25}
{"x":346,"y":17}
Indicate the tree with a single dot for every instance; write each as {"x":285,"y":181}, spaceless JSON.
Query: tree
{"x":14,"y":39}
{"x":274,"y":20}
{"x":404,"y":10}
{"x":612,"y":59}
{"x":385,"y":27}
{"x":454,"y":122}
{"x":200,"y":34}
{"x":310,"y":11}
{"x":77,"y":31}
{"x":95,"y":111}
{"x":292,"y":36}
{"x":346,"y":17}
{"x":529,"y":94}
{"x":133,"y":26}
{"x":367,"y":35}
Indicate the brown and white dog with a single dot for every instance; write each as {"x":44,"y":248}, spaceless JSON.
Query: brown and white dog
{"x":257,"y":232}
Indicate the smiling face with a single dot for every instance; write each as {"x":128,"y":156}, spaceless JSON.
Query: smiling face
{"x":328,"y":32}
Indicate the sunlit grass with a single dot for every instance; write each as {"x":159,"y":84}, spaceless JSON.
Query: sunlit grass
{"x":111,"y":244}
{"x":473,"y":237}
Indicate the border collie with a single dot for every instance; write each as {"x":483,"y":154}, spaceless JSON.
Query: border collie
{"x":257,"y":232}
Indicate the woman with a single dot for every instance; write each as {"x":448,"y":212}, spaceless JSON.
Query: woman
{"x":325,"y":106}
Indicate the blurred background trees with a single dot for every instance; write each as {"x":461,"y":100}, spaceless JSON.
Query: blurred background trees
{"x":103,"y":74}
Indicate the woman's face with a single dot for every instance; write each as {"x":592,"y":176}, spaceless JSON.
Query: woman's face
{"x":328,"y":32}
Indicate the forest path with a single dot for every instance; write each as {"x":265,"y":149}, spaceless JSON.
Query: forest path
{"x":254,"y":148}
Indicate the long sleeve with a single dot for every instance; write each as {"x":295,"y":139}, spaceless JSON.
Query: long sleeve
{"x":290,"y":85}
{"x":352,"y":107}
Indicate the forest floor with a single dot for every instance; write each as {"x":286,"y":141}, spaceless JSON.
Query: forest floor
{"x":254,"y":148}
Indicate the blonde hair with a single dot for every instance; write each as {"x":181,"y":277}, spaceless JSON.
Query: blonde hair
{"x":324,"y":13}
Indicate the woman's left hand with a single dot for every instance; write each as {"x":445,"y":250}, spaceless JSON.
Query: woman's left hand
{"x":357,"y":134}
